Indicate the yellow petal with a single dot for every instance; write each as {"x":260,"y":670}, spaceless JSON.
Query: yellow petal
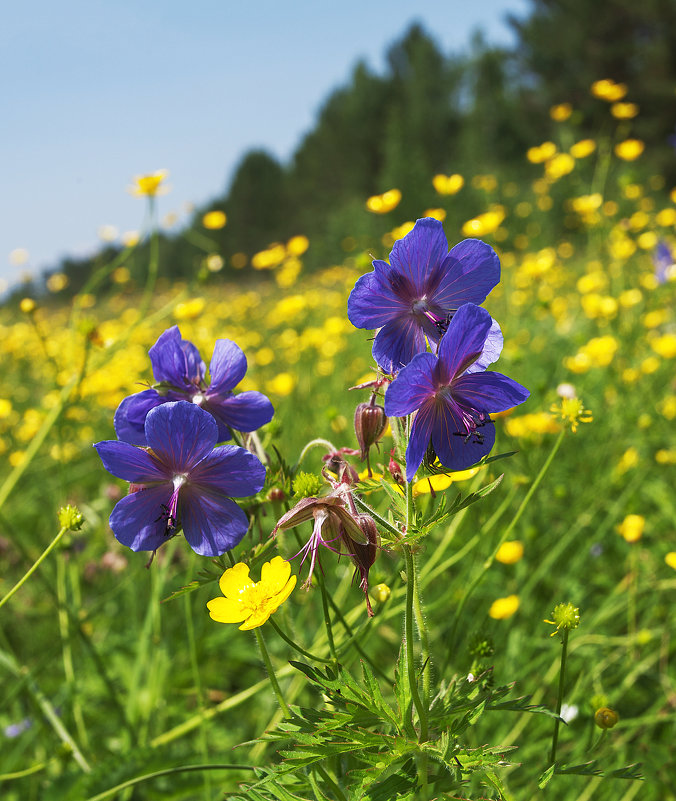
{"x":257,"y":619}
{"x":234,"y":580}
{"x":223,"y":610}
{"x":277,"y":600}
{"x":275,"y":574}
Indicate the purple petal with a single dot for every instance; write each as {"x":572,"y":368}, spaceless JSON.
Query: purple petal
{"x":175,"y":360}
{"x":421,"y":431}
{"x":129,"y":463}
{"x":247,"y":411}
{"x":455,"y":450}
{"x":491,"y":350}
{"x":130,"y":416}
{"x":489,"y":392}
{"x":212,"y":523}
{"x":470,"y":271}
{"x":464,"y":341}
{"x":180,"y":434}
{"x":375,"y":300}
{"x":138,"y":520}
{"x":418,"y":255}
{"x":227,"y":367}
{"x":412,"y":387}
{"x":397,"y":343}
{"x":230,"y":470}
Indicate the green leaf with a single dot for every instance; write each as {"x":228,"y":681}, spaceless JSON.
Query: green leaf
{"x":546,"y":777}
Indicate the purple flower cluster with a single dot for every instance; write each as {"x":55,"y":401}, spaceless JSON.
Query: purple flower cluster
{"x":427,"y":296}
{"x":179,"y":479}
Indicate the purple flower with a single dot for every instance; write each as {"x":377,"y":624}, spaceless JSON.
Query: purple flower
{"x":413,"y":298}
{"x":453,"y":395}
{"x":180,"y":372}
{"x":663,"y":261}
{"x":181,"y":482}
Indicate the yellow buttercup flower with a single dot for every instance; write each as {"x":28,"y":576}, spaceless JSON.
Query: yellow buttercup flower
{"x":381,"y":204}
{"x":572,"y":412}
{"x":607,"y":89}
{"x":582,"y":149}
{"x":561,"y":112}
{"x":448,"y":184}
{"x":631,"y":528}
{"x":504,"y":608}
{"x":149,"y":185}
{"x":624,"y":111}
{"x":670,"y":559}
{"x":248,"y":602}
{"x":510,"y":552}
{"x":630,"y":149}
{"x":214,"y":220}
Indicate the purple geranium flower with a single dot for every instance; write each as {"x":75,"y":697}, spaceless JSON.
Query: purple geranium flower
{"x":663,"y":260}
{"x":180,"y":372}
{"x":181,"y":482}
{"x":453,"y":395}
{"x":413,"y":298}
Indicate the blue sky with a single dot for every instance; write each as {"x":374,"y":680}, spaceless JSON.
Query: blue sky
{"x":96,"y":92}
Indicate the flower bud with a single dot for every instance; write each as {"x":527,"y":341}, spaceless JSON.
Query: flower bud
{"x":364,"y":554}
{"x":370,"y":422}
{"x":70,"y":518}
{"x":395,"y":470}
{"x":605,"y":717}
{"x":381,"y":592}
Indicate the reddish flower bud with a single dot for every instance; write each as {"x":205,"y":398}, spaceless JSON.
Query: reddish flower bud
{"x":364,"y":554}
{"x":395,"y":470}
{"x":276,"y":494}
{"x":369,"y":423}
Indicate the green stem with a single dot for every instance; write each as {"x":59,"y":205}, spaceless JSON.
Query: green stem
{"x":327,"y":618}
{"x":295,"y":645}
{"x":315,"y":443}
{"x":559,"y":700}
{"x":379,"y":520}
{"x":271,"y":673}
{"x":410,"y":656}
{"x":194,"y":668}
{"x":519,"y":512}
{"x":167,"y":772}
{"x":46,"y":708}
{"x":35,"y":566}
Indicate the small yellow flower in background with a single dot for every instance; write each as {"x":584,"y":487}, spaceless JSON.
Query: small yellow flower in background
{"x":281,"y":385}
{"x":381,"y":204}
{"x":189,"y":309}
{"x":130,"y":238}
{"x":605,"y":717}
{"x":18,"y":257}
{"x":561,"y":112}
{"x":624,"y":111}
{"x":149,"y":185}
{"x":560,"y":165}
{"x":665,"y":346}
{"x":57,"y":281}
{"x":670,"y":559}
{"x":504,"y":608}
{"x":665,"y":456}
{"x":248,"y":602}
{"x":486,"y":223}
{"x":607,"y":89}
{"x":630,"y":458}
{"x":582,"y":149}
{"x":27,"y":305}
{"x":631,"y":528}
{"x":510,"y":552}
{"x":436,"y":214}
{"x":297,"y":245}
{"x":214,"y":220}
{"x":448,"y":184}
{"x":630,"y":149}
{"x":531,"y":425}
{"x":572,"y":412}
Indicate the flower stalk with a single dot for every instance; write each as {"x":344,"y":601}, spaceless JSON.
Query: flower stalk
{"x":271,"y":673}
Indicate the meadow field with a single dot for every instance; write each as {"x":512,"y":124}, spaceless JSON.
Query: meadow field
{"x":118,"y":684}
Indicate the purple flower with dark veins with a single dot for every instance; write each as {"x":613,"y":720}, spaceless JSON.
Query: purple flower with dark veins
{"x":181,"y":481}
{"x":452,"y":394}
{"x":413,"y":298}
{"x":180,"y":375}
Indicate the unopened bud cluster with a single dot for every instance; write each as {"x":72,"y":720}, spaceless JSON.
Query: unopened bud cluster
{"x":565,"y":617}
{"x":70,"y":518}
